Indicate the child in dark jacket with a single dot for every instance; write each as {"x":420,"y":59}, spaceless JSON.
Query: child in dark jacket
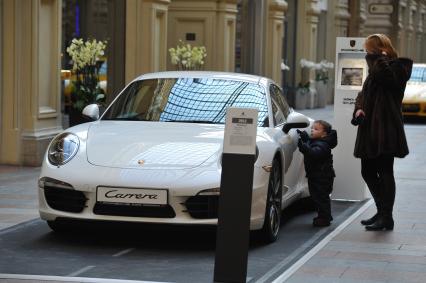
{"x":319,"y":169}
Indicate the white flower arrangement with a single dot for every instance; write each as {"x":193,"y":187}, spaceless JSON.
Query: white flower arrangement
{"x":307,"y":64}
{"x":324,"y":65}
{"x":284,"y":67}
{"x":322,"y":69}
{"x":85,"y":53}
{"x":186,"y":57}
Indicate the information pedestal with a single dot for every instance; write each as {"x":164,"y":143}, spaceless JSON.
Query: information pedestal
{"x":351,"y":72}
{"x":236,"y":185}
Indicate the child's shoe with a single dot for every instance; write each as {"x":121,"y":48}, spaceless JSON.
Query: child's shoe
{"x":320,"y":222}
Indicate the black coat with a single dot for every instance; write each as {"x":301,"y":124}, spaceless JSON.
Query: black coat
{"x":317,"y":156}
{"x":382,"y":130}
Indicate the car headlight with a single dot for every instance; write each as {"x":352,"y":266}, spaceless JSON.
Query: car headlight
{"x":63,"y":148}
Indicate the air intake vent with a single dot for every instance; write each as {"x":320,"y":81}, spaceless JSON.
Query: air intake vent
{"x":203,"y":207}
{"x":65,"y":199}
{"x":165,"y":211}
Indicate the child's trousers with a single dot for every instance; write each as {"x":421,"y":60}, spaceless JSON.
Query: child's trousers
{"x":320,"y":190}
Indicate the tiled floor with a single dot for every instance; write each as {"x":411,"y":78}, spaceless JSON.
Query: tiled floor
{"x":356,"y":255}
{"x":18,"y":194}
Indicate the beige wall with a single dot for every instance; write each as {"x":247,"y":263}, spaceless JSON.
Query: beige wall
{"x":146,"y":37}
{"x":423,"y":44}
{"x":10,"y":149}
{"x":31,"y":88}
{"x":307,"y":31}
{"x":409,"y":29}
{"x":1,"y":71}
{"x":213,"y":23}
{"x":274,"y":39}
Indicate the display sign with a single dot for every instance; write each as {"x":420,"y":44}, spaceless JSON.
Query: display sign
{"x":240,"y":131}
{"x":351,"y":72}
{"x":236,"y":183}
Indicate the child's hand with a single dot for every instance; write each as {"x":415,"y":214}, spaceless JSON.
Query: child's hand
{"x":303,"y":135}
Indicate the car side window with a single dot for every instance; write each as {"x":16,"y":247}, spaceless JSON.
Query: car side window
{"x":278,"y":115}
{"x":278,"y":96}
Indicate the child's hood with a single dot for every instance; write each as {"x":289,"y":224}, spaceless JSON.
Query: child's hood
{"x":331,"y":139}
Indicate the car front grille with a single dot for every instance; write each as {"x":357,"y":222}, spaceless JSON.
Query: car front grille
{"x":411,"y":108}
{"x":164,"y":211}
{"x":203,"y":206}
{"x":65,"y":199}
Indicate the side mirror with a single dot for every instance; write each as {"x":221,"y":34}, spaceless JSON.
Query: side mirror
{"x":91,"y":111}
{"x":295,"y":120}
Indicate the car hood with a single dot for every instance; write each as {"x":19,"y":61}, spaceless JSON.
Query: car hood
{"x":415,"y":91}
{"x":152,"y":145}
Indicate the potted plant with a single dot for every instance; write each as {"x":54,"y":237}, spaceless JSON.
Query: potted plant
{"x":304,"y":95}
{"x":85,"y":80}
{"x":186,"y":57}
{"x":322,"y":80}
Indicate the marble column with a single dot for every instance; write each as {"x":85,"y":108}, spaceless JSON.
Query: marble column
{"x":420,"y":31}
{"x":401,"y":26}
{"x":423,"y":23}
{"x":307,"y":33}
{"x":146,"y":37}
{"x":358,"y":12}
{"x":411,"y":29}
{"x":274,"y":39}
{"x":30,"y":114}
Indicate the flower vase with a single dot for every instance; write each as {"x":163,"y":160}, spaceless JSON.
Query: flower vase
{"x":301,"y":98}
{"x":330,"y":93}
{"x":311,"y":100}
{"x":322,"y":88}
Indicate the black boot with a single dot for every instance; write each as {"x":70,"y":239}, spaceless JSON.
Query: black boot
{"x":382,"y":223}
{"x":369,"y":221}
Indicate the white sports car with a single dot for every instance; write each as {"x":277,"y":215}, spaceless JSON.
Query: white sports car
{"x":154,"y":155}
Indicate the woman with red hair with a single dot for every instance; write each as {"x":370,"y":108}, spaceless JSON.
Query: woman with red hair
{"x":381,"y":137}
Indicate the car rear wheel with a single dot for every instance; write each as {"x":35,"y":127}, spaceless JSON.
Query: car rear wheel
{"x":271,"y":226}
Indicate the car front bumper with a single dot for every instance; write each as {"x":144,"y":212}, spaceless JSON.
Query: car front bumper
{"x":80,"y":201}
{"x":414,"y":108}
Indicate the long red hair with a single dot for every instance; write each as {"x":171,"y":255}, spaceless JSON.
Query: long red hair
{"x":380,"y":44}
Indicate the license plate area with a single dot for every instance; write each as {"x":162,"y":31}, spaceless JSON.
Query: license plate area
{"x":132,"y":196}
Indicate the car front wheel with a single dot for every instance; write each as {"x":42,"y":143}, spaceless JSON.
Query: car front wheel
{"x":271,"y":226}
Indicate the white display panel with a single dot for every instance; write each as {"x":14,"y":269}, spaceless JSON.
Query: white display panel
{"x":240,"y":131}
{"x":351,"y":72}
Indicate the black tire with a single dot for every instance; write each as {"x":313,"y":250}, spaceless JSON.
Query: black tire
{"x":271,"y":225}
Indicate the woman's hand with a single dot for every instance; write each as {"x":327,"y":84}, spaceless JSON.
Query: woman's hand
{"x":358,"y":118}
{"x":359,"y":112}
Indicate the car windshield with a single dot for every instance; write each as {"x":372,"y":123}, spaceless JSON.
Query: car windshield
{"x":418,"y":74}
{"x":191,"y":100}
